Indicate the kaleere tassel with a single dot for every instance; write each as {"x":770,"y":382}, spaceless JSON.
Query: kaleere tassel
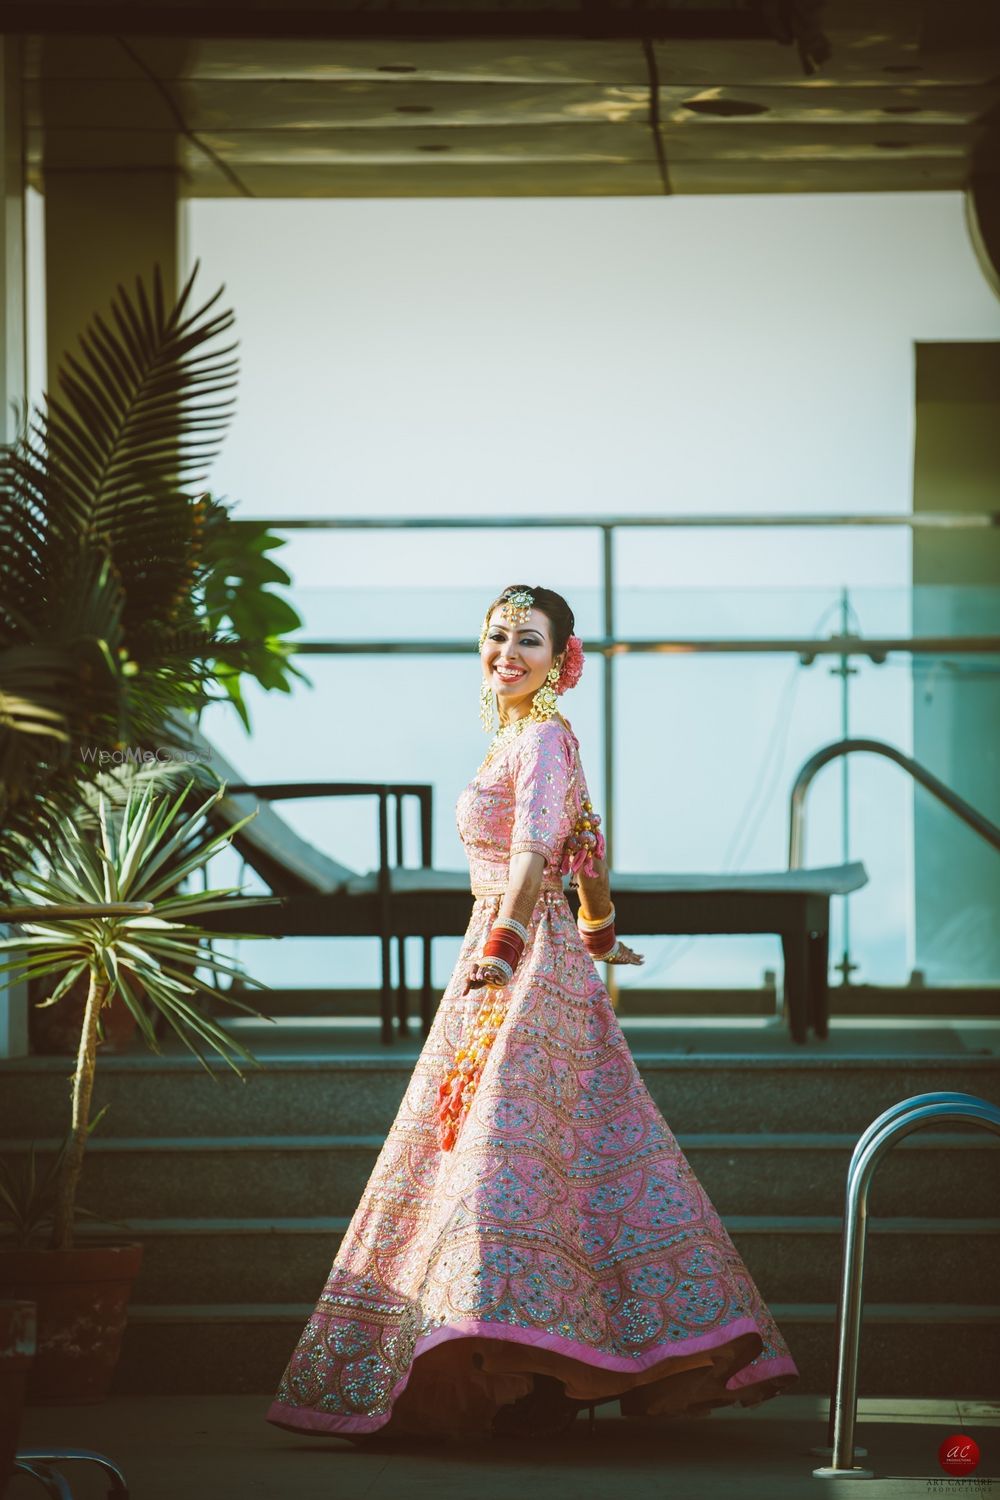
{"x":501,"y":954}
{"x":584,"y":844}
{"x":455,"y":1094}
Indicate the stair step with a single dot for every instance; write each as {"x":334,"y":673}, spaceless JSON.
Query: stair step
{"x":965,"y":1314}
{"x":307,"y":1094}
{"x":819,"y":1224}
{"x":907,"y":1348}
{"x":944,"y":1002}
{"x":791,"y":1258}
{"x":929,"y":1172}
{"x":314,"y":1003}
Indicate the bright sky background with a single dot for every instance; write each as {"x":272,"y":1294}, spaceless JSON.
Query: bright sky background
{"x":692,"y":353}
{"x":594,"y":356}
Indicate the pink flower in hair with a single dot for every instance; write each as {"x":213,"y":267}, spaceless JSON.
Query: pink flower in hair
{"x":572,"y":668}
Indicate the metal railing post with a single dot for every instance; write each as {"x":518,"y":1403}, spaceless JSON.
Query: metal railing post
{"x":894,"y":1111}
{"x":899,"y":1121}
{"x":608,"y":559}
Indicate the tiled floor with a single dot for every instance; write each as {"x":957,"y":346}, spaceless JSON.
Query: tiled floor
{"x":221,"y":1448}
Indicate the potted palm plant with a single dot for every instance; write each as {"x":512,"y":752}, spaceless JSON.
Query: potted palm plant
{"x":155,"y":943}
{"x":129,"y":599}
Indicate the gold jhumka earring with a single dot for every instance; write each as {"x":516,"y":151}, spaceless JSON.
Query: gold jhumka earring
{"x":543,"y":704}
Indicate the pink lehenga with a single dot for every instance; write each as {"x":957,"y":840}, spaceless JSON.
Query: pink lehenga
{"x":564,"y":1231}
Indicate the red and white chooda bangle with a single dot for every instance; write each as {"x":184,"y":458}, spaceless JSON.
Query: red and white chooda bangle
{"x":599,"y":937}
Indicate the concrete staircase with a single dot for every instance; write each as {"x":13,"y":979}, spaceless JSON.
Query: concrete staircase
{"x":241,"y":1190}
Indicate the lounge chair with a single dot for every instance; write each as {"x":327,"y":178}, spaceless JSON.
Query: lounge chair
{"x":323,"y":898}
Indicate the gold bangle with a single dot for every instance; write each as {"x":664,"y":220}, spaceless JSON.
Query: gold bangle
{"x":609,"y":913}
{"x":599,"y":922}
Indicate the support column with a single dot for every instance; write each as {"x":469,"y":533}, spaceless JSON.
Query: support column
{"x":103,"y":226}
{"x":956,"y":701}
{"x":13,"y":385}
{"x":13,"y":321}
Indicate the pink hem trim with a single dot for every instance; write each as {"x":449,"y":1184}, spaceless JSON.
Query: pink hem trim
{"x":305,"y":1419}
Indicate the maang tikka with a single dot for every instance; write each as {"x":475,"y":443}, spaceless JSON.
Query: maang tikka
{"x":514,"y":610}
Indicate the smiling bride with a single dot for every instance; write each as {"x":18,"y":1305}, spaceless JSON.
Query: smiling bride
{"x":532,"y":1240}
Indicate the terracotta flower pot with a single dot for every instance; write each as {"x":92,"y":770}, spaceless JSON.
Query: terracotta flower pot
{"x":18,"y":1335}
{"x":82,"y":1295}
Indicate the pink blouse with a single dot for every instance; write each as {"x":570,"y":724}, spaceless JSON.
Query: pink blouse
{"x":527,"y":798}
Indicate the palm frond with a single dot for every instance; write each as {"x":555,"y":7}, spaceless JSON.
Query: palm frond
{"x":130,"y":424}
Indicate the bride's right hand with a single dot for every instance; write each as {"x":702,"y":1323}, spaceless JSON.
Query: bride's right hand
{"x":625,"y":955}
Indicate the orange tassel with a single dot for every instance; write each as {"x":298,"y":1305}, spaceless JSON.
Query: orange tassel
{"x":455,"y":1094}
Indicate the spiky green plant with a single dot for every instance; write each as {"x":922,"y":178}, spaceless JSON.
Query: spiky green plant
{"x":132,"y":860}
{"x":29,"y":1194}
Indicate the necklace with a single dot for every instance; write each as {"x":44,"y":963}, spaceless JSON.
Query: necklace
{"x":505,"y":733}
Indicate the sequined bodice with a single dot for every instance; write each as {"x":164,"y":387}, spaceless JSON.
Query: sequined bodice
{"x":526,"y":798}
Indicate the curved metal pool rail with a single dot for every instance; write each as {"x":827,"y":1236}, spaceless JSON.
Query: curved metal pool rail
{"x":901,"y":1107}
{"x":37,"y":1462}
{"x":880,"y":1136}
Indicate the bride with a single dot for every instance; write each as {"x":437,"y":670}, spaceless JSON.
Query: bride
{"x":531,"y":1239}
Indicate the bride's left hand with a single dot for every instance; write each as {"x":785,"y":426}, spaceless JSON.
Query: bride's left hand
{"x":625,"y":955}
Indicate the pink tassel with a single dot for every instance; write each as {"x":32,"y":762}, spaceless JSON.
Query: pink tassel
{"x":579,"y":854}
{"x":583,"y":859}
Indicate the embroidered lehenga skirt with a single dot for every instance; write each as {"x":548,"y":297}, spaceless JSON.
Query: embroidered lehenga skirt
{"x":564,"y":1232}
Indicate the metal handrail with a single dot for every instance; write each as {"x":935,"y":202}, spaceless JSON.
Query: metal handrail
{"x":943,"y":520}
{"x":902,"y":1107}
{"x":797,"y":809}
{"x":808,"y":647}
{"x":898,"y":1121}
{"x":35,"y":1461}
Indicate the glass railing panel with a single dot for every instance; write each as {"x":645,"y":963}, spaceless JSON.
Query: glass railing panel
{"x":706,"y":748}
